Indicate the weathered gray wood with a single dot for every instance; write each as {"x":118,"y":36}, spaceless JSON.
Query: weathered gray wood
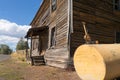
{"x":60,"y":65}
{"x":102,"y":22}
{"x":57,"y":57}
{"x":59,"y":19}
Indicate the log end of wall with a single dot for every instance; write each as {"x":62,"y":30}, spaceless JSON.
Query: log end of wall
{"x":89,"y":64}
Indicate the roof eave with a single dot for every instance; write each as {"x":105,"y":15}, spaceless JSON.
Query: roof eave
{"x":35,"y":17}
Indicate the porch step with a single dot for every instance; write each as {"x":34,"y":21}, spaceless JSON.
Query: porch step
{"x":38,"y":60}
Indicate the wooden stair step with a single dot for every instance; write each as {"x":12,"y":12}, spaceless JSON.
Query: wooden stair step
{"x":38,"y":60}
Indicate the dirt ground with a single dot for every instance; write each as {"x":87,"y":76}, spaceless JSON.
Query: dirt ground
{"x":49,"y":73}
{"x":13,"y":69}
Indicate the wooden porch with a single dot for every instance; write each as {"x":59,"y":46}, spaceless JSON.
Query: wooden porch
{"x":39,"y":44}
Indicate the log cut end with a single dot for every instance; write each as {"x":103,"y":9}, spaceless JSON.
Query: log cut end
{"x":89,"y":64}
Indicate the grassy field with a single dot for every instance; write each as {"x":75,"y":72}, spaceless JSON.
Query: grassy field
{"x":16,"y":68}
{"x":10,"y":70}
{"x":13,"y":69}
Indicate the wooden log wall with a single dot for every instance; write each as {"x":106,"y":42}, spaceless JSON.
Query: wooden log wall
{"x":101,"y":21}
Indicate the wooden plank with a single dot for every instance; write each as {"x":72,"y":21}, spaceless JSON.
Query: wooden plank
{"x":57,"y":57}
{"x":57,"y":64}
{"x":61,"y":52}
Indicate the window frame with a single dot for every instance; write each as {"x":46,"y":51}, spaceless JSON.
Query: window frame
{"x":116,"y":5}
{"x":52,"y":37}
{"x":53,"y":5}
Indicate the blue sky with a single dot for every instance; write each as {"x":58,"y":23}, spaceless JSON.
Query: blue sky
{"x":19,"y":11}
{"x":15,"y":17}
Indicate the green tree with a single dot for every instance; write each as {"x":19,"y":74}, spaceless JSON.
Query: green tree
{"x":4,"y":49}
{"x":26,"y":45}
{"x":22,"y":44}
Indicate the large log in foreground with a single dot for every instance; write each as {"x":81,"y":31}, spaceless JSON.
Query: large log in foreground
{"x":97,"y":61}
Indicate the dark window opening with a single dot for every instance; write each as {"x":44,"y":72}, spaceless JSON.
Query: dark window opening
{"x":54,"y":5}
{"x":52,"y":41}
{"x":33,"y":44}
{"x":116,"y":1}
{"x":117,"y":37}
{"x":116,"y":7}
{"x":116,"y":4}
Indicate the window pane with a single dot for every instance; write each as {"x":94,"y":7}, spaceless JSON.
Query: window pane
{"x":52,"y":43}
{"x":54,"y":5}
{"x":116,"y":4}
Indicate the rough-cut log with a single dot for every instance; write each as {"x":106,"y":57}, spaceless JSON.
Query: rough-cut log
{"x":97,"y":61}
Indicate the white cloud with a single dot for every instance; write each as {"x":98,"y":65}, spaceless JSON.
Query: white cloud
{"x":11,"y":32}
{"x":12,"y":29}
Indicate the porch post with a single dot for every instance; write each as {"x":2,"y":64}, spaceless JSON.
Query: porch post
{"x":32,"y":63}
{"x":27,"y":54}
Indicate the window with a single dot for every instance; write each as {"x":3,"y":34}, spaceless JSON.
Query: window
{"x":116,"y":4}
{"x":54,"y":5}
{"x":52,"y":40}
{"x":117,"y":37}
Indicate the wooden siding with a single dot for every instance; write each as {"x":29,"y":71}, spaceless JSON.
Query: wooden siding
{"x":42,"y":16}
{"x":40,"y":43}
{"x":58,"y":56}
{"x":102,"y":23}
{"x":59,"y":20}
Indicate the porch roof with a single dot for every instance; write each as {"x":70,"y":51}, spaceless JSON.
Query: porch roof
{"x":35,"y":31}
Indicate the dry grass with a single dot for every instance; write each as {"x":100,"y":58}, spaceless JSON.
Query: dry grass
{"x":19,"y":56}
{"x":12,"y":70}
{"x":17,"y":69}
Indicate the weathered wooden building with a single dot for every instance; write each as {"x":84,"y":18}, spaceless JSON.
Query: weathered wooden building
{"x":57,"y":28}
